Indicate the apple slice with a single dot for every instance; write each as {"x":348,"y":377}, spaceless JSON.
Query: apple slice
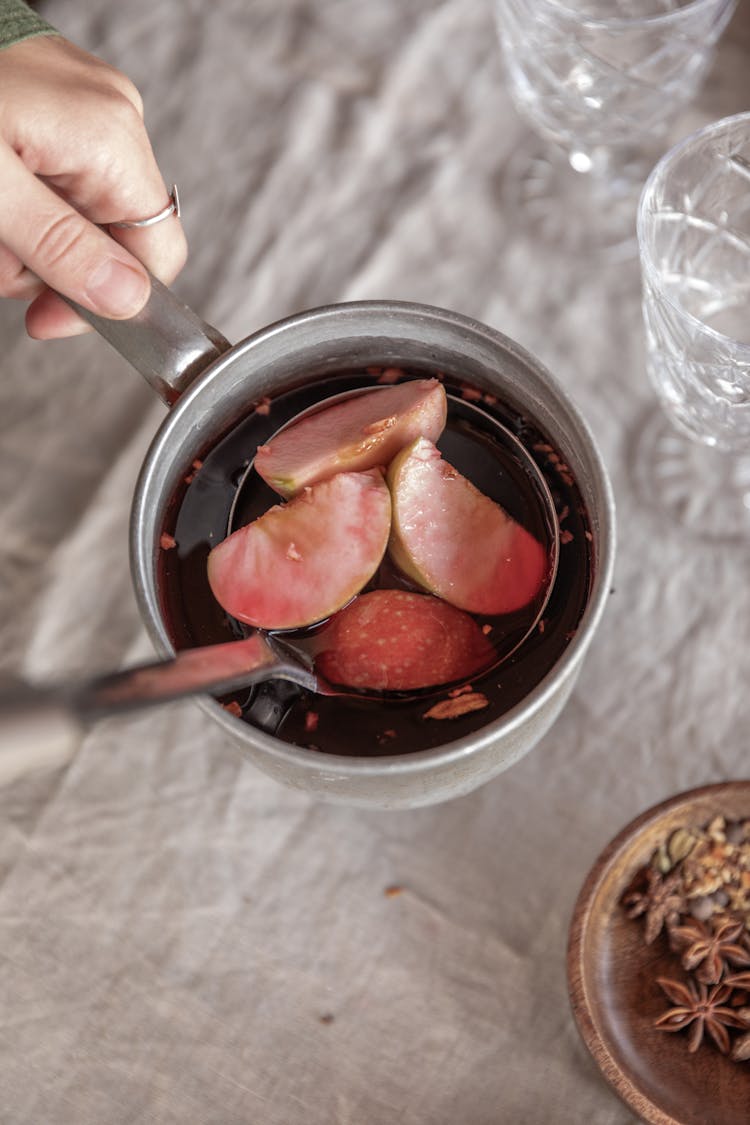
{"x":300,"y":562}
{"x":396,"y":640}
{"x":356,"y":433}
{"x":454,"y":541}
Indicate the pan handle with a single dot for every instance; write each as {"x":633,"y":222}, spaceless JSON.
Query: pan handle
{"x":166,"y":341}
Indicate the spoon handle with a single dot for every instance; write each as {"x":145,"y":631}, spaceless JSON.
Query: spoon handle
{"x":211,"y":668}
{"x":40,"y":727}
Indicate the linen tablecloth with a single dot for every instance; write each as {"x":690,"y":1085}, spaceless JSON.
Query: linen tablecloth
{"x":182,"y":940}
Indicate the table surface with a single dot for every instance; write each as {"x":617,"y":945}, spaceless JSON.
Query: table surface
{"x":182,"y":939}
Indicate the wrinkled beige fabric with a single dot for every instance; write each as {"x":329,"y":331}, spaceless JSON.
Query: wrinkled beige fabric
{"x":176,"y":930}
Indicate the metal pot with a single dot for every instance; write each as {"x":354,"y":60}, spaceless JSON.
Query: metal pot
{"x":210,"y":385}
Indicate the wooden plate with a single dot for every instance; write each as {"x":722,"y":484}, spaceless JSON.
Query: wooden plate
{"x":612,"y":980}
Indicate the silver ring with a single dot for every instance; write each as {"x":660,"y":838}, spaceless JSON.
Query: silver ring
{"x":172,"y":208}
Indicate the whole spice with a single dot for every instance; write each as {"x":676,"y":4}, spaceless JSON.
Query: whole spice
{"x":659,"y":900}
{"x":695,"y":893}
{"x":709,"y":951}
{"x":701,"y":1009}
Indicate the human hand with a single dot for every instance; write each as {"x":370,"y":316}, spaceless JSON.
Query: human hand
{"x":75,"y":157}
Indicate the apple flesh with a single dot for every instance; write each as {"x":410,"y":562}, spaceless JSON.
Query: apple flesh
{"x":396,"y":640}
{"x":300,"y":562}
{"x":355,"y":434}
{"x":454,"y":541}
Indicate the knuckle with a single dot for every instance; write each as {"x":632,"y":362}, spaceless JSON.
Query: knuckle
{"x":109,"y":83}
{"x":127,"y":91}
{"x":61,"y":238}
{"x":124,"y":107}
{"x":134,"y":97}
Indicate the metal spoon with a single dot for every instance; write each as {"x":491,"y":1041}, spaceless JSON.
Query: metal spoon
{"x":41,"y":724}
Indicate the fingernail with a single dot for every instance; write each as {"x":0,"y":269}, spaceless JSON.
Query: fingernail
{"x":117,"y":290}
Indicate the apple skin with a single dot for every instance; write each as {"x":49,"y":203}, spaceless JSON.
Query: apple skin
{"x":355,"y":434}
{"x":302,"y":561}
{"x":457,"y":543}
{"x":397,"y":640}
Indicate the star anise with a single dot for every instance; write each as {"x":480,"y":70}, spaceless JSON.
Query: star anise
{"x":741,"y":1048}
{"x":738,"y":981}
{"x":656,"y":897}
{"x":709,"y":951}
{"x":702,"y":1007}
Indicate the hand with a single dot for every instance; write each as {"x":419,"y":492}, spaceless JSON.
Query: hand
{"x":74,"y":157}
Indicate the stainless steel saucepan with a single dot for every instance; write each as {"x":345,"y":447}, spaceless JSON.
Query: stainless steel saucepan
{"x":209,"y":386}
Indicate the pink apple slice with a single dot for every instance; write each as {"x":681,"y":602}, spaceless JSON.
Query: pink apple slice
{"x":396,"y":640}
{"x":456,"y":542}
{"x":300,"y":562}
{"x":356,"y":433}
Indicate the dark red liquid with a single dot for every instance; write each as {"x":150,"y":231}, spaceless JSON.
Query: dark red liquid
{"x":198,"y":519}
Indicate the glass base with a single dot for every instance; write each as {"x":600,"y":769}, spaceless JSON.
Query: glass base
{"x":579,"y":212}
{"x":694,"y":486}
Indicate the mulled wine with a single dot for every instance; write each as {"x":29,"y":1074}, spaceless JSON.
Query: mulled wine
{"x":220,"y":494}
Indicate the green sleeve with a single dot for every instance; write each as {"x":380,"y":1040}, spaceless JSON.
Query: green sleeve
{"x":17,"y":22}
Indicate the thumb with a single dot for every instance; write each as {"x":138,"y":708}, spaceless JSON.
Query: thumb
{"x":63,"y":249}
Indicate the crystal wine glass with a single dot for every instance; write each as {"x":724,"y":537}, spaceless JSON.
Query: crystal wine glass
{"x":694,"y":241}
{"x":600,"y":82}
